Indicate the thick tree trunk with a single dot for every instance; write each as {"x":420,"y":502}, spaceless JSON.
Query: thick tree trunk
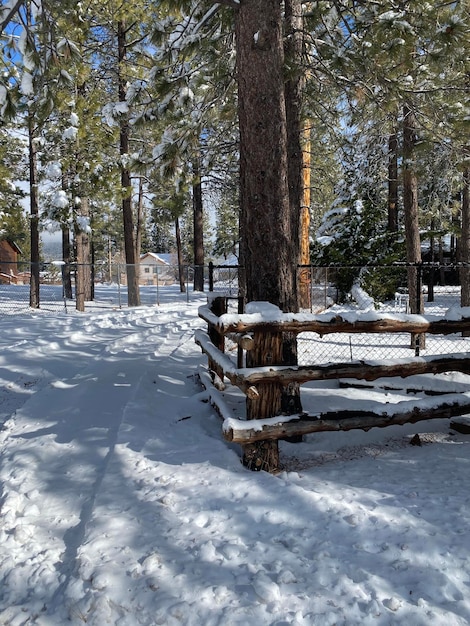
{"x":133,"y":293}
{"x":269,"y":241}
{"x":198,"y":228}
{"x":34,"y":216}
{"x":270,"y":191}
{"x":410,"y":208}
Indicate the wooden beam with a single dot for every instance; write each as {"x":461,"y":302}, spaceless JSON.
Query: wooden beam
{"x":245,"y":340}
{"x":362,"y":370}
{"x":237,"y":431}
{"x":359,"y":370}
{"x":325,"y":324}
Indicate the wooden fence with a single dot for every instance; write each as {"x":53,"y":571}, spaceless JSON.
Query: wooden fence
{"x":266,"y":373}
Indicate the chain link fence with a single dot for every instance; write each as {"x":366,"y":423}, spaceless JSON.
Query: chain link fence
{"x":347,"y":290}
{"x":107,"y":284}
{"x":334,"y":289}
{"x":383,"y":289}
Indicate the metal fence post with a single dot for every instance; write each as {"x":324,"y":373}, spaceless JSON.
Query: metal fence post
{"x":211,"y":276}
{"x":158,"y":291}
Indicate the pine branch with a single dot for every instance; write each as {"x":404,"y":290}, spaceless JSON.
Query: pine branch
{"x":14,"y":9}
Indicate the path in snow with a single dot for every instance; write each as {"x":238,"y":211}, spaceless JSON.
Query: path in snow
{"x":61,"y":441}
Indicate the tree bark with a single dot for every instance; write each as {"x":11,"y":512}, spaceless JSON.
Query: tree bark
{"x":179,"y":252}
{"x":34,"y":215}
{"x":198,"y":228}
{"x":83,"y":274}
{"x":140,"y":221}
{"x":67,"y":259}
{"x":465,"y":240}
{"x":410,"y":208}
{"x":269,"y":240}
{"x":392,"y":224}
{"x":133,"y":293}
{"x":293,"y":44}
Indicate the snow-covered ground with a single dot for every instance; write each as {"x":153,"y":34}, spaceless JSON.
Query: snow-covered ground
{"x":121,"y":503}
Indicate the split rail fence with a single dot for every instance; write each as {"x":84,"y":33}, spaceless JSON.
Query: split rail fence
{"x":272,"y":388}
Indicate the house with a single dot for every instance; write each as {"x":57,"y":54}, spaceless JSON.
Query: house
{"x":156,"y":270}
{"x":9,"y":272}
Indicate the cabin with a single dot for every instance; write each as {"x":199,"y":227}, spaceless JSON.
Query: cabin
{"x":9,"y":272}
{"x":156,"y":270}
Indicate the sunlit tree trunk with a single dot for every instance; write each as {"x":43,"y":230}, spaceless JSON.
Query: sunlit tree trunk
{"x":82,"y":243}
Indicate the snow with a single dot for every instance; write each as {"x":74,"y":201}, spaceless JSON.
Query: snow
{"x":70,"y":133}
{"x":122,"y":504}
{"x":59,"y":199}
{"x":27,"y":88}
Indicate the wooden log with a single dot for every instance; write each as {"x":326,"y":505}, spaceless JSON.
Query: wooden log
{"x":245,"y":341}
{"x":357,"y":370}
{"x":323,"y":325}
{"x":346,"y":420}
{"x":365,"y":370}
{"x":266,"y":402}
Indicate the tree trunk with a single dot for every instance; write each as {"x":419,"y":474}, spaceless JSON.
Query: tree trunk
{"x":269,"y":241}
{"x":82,"y":243}
{"x":293,"y":44}
{"x":298,"y":157}
{"x":140,"y":221}
{"x":179,"y":252}
{"x":34,"y":216}
{"x":67,"y":259}
{"x":198,"y":228}
{"x":465,"y":242}
{"x":305,"y":278}
{"x":410,"y":208}
{"x":270,"y":192}
{"x":393,"y":183}
{"x":133,"y":293}
{"x":464,"y":256}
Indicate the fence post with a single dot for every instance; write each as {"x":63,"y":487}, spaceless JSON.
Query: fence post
{"x":218,"y":307}
{"x":211,"y":276}
{"x":419,"y":338}
{"x":158,"y":291}
{"x":119,"y":283}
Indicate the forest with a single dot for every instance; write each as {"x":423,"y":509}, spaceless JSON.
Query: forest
{"x":287,"y":133}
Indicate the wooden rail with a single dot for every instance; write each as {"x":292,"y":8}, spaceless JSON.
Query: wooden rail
{"x":270,"y":385}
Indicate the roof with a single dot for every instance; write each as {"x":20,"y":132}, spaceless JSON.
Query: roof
{"x":13,"y":245}
{"x":156,"y":257}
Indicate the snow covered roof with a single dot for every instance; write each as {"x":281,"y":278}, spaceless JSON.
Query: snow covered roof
{"x":159,"y":258}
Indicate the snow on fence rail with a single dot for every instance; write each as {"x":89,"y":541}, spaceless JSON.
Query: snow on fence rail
{"x":272,"y":387}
